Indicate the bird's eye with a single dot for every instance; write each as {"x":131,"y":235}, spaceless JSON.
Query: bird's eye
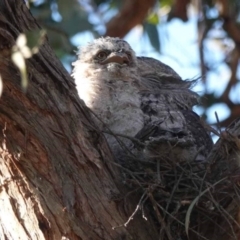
{"x":101,"y":55}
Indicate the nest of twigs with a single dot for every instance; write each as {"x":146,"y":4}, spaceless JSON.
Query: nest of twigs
{"x":190,"y":200}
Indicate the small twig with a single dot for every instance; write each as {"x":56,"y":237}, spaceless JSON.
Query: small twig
{"x":173,"y":191}
{"x":139,"y":205}
{"x":128,"y":171}
{"x":181,"y":223}
{"x":222,"y":210}
{"x":159,"y":217}
{"x":158,"y":171}
{"x":218,"y":123}
{"x":127,"y":137}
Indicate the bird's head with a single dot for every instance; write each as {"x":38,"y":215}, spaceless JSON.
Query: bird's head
{"x":112,"y":56}
{"x":104,"y":51}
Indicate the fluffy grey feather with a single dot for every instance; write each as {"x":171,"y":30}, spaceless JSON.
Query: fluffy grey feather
{"x":140,"y":97}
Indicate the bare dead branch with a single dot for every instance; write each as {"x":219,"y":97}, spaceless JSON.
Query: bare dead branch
{"x":132,"y":13}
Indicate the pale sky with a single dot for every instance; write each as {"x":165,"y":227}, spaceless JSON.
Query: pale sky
{"x":179,"y":50}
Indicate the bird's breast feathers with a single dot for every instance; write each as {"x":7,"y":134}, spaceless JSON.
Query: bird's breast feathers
{"x":114,"y":98}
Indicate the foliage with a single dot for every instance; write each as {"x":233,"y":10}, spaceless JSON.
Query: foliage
{"x":217,"y":27}
{"x":63,"y":20}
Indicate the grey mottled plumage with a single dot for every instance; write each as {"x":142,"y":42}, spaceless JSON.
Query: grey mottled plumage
{"x":140,"y":97}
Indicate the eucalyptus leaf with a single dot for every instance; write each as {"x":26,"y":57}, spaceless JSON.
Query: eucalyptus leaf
{"x":74,"y":18}
{"x":164,"y":3}
{"x":35,"y":39}
{"x":153,"y":35}
{"x":153,"y":19}
{"x":99,"y":2}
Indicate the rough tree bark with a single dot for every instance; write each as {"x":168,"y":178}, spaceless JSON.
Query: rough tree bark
{"x":56,"y":176}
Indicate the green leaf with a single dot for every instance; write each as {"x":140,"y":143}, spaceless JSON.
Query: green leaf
{"x":74,"y":18}
{"x":164,"y":3}
{"x":153,"y":19}
{"x":26,"y":45}
{"x":153,"y":35}
{"x":99,"y":2}
{"x":35,"y":39}
{"x":42,"y":11}
{"x":60,"y":43}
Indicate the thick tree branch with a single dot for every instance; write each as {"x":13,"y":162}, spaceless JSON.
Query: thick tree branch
{"x":132,"y":13}
{"x":179,"y":10}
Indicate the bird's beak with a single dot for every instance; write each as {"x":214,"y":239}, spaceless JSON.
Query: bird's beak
{"x":120,"y":58}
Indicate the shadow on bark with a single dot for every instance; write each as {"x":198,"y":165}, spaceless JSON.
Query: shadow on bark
{"x":56,"y":176}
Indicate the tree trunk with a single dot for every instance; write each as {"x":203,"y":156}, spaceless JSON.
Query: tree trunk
{"x":56,"y":173}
